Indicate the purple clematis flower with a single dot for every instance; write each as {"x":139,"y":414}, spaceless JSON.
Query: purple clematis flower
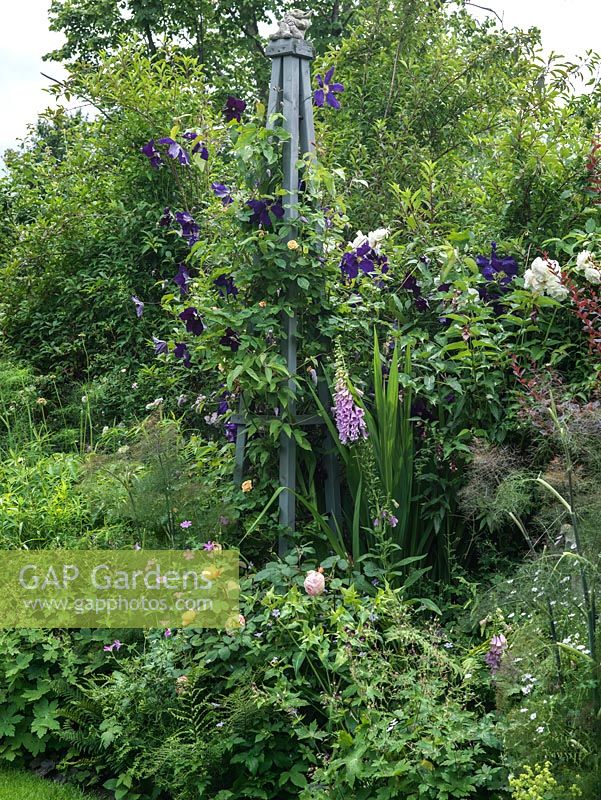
{"x":223,"y":193}
{"x":226,"y":285}
{"x":495,"y":268}
{"x":190,"y":228}
{"x":138,"y":304}
{"x":233,"y":108}
{"x":230,"y":339}
{"x":231,"y":429}
{"x":182,"y":278}
{"x":262,"y":210}
{"x":411,"y":285}
{"x":167,"y":218}
{"x":199,"y":147}
{"x":181,"y":351}
{"x":160,"y":346}
{"x":363,"y":258}
{"x":175,"y":150}
{"x":152,"y":153}
{"x":327,"y":91}
{"x":193,"y":320}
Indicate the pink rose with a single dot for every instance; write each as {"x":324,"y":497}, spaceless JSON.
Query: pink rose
{"x":315,"y":583}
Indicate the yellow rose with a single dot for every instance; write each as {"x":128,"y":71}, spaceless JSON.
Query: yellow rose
{"x":247,"y":486}
{"x":293,"y":244}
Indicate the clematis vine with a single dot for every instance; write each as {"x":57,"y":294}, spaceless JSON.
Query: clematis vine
{"x":365,"y":255}
{"x":226,"y":285}
{"x":233,"y":108}
{"x":175,"y":150}
{"x":500,"y":269}
{"x":192,"y":320}
{"x":326,"y":93}
{"x":139,"y":305}
{"x":160,"y":346}
{"x":181,"y":351}
{"x":189,"y":227}
{"x":262,"y":209}
{"x":182,"y":279}
{"x":166,"y":218}
{"x":199,"y":147}
{"x":223,"y":193}
{"x":230,"y":339}
{"x":152,"y":154}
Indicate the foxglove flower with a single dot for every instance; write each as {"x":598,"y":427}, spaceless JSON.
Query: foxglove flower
{"x":498,"y":645}
{"x":181,"y":351}
{"x":385,"y":517}
{"x":152,"y":153}
{"x":160,"y":346}
{"x":190,"y":229}
{"x":182,"y":279}
{"x":261,"y":211}
{"x":199,"y":147}
{"x":230,"y":339}
{"x":349,"y":417}
{"x":193,"y":320}
{"x":223,"y":193}
{"x":175,"y":150}
{"x":233,"y":108}
{"x":138,"y":304}
{"x":326,"y":93}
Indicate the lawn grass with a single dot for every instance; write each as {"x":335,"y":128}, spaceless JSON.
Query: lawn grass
{"x":21,"y":786}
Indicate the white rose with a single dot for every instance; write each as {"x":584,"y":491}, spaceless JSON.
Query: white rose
{"x":583,"y":259}
{"x":556,"y":290}
{"x":592,"y":274}
{"x":375,"y":237}
{"x":539,"y":268}
{"x":359,"y":239}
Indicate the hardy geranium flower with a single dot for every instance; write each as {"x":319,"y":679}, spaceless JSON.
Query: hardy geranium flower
{"x":187,"y":523}
{"x":223,"y":193}
{"x":181,"y":351}
{"x":109,"y":648}
{"x":199,"y":147}
{"x":160,"y":346}
{"x":138,"y":304}
{"x":503,"y":270}
{"x":193,"y":320}
{"x":262,"y":209}
{"x":233,"y":108}
{"x":190,"y":229}
{"x":182,"y":279}
{"x":175,"y":150}
{"x":152,"y":153}
{"x":326,"y":93}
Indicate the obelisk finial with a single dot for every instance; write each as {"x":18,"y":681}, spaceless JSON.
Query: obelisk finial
{"x":293,"y":25}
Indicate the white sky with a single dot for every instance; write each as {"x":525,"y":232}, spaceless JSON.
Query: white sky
{"x":568,"y":26}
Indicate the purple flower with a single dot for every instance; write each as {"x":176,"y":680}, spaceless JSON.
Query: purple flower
{"x":233,"y":108}
{"x":160,"y":346}
{"x":230,"y":339}
{"x":210,"y":546}
{"x":363,"y":258}
{"x":187,"y":523}
{"x":223,"y":193}
{"x":193,"y":320}
{"x":167,"y":218}
{"x":261,"y":211}
{"x":327,"y":90}
{"x":108,"y":648}
{"x":349,"y":417}
{"x":498,"y":645}
{"x":495,"y":268}
{"x":231,"y":429}
{"x":385,"y":517}
{"x":226,"y":283}
{"x":182,"y":279}
{"x":152,"y":153}
{"x":199,"y":147}
{"x":175,"y":150}
{"x":138,"y":304}
{"x":224,"y":520}
{"x":181,"y":351}
{"x":190,"y":229}
{"x":137,"y":546}
{"x":411,"y":285}
{"x":167,"y":633}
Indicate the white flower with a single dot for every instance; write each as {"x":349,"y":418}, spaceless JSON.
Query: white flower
{"x":544,"y":277}
{"x":592,"y":274}
{"x":375,"y":237}
{"x":155,"y":404}
{"x":533,"y":715}
{"x":584,"y":259}
{"x":359,"y":239}
{"x":540,"y":729}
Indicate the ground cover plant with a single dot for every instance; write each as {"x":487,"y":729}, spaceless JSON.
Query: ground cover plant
{"x":438,"y":639}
